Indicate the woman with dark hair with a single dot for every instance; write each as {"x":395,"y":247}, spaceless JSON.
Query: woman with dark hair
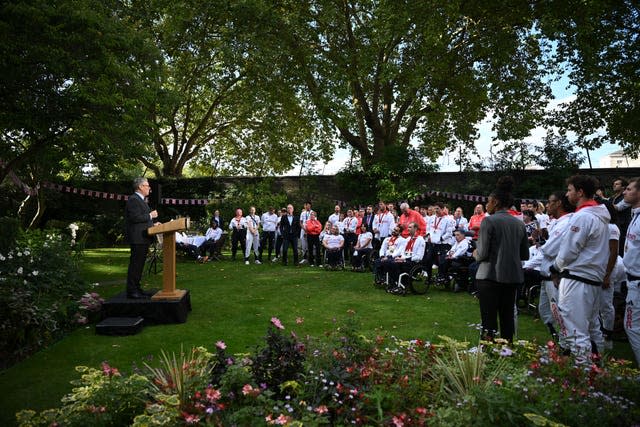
{"x":502,"y":245}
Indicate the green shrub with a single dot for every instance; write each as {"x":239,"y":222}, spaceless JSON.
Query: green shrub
{"x":9,"y":230}
{"x":40,"y":287}
{"x":102,"y":397}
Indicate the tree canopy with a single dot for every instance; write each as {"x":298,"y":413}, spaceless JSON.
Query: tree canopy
{"x":257,"y":86}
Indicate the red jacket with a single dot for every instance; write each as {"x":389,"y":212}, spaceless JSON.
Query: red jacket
{"x":313,"y":227}
{"x":412,"y":216}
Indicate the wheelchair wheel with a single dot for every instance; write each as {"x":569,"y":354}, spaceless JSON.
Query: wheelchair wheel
{"x":419,"y":282}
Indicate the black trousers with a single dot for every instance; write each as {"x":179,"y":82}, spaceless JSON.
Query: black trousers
{"x":350,"y":240}
{"x":313,"y":249}
{"x":238,"y":236}
{"x":267,"y":239}
{"x":435,"y":254}
{"x":278,"y":245}
{"x":356,"y":260}
{"x":290,"y":239}
{"x":136,"y":266}
{"x":497,"y":301}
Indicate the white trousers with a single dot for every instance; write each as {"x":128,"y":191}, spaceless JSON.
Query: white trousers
{"x":551,"y":293}
{"x":632,"y":317}
{"x":253,"y":240}
{"x":607,"y":312}
{"x":303,"y":242}
{"x":578,"y":305}
{"x":544,"y":305}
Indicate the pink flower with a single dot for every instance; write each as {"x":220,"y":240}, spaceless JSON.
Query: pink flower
{"x":282,"y":419}
{"x":299,"y":320}
{"x":221,"y":345}
{"x":190,"y":418}
{"x":322,"y":409}
{"x":213,"y":395}
{"x":248,"y":390}
{"x":276,"y":322}
{"x":398,"y":422}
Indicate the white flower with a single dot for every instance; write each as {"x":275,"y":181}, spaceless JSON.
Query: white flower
{"x":26,"y":252}
{"x":19,"y":270}
{"x":2,"y":258}
{"x":19,"y":254}
{"x":73,"y":226}
{"x":35,"y":272}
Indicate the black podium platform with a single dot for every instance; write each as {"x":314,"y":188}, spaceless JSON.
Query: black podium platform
{"x":153,"y":312}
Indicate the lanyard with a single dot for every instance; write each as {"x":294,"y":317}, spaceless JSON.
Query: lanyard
{"x":409,"y":246}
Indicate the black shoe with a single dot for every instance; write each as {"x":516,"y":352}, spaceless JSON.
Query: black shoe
{"x":137,"y":295}
{"x":146,"y":293}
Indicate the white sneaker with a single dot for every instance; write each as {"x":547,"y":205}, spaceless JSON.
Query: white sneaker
{"x":246,"y":263}
{"x":275,"y":259}
{"x":258,"y":262}
{"x":304,"y":261}
{"x":320,"y":266}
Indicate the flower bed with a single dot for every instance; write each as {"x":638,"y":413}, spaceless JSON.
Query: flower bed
{"x":40,"y":289}
{"x":345,"y":378}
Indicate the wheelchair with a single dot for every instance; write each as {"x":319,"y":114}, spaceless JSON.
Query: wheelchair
{"x":339,"y":265}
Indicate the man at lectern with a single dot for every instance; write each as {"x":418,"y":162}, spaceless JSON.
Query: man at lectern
{"x":138,"y":217}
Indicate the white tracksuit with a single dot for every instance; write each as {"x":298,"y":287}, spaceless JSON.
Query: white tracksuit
{"x":253,"y":236}
{"x":632,"y":266}
{"x":607,"y":311}
{"x":584,"y":253}
{"x":557,"y":228}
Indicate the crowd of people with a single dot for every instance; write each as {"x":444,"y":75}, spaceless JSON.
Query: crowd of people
{"x":578,"y":247}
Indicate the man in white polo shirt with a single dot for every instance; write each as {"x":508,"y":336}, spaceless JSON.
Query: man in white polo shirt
{"x":269,"y":222}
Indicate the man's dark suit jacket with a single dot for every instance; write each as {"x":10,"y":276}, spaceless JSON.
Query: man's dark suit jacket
{"x":368,"y":221}
{"x":137,"y":221}
{"x":293,"y":229}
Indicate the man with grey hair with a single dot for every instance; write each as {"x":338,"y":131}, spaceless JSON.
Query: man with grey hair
{"x":138,"y":217}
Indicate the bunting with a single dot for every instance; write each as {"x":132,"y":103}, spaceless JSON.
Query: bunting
{"x":195,"y":202}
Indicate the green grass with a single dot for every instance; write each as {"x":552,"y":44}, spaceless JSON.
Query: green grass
{"x":234,"y":303}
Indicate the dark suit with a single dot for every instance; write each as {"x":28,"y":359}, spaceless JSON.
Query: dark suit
{"x":137,"y":221}
{"x":368,"y":221}
{"x":502,"y":245}
{"x":290,"y":234}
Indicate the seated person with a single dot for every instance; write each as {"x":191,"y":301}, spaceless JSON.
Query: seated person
{"x":406,"y":255}
{"x":213,"y":235}
{"x":190,"y":245}
{"x":456,"y":254}
{"x":386,"y":251}
{"x":333,"y":244}
{"x":364,"y":246}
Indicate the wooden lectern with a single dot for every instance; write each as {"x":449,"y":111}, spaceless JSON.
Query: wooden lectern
{"x":168,"y":231}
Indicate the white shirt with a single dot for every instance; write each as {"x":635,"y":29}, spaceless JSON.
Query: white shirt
{"x":412,"y":248}
{"x":550,"y":249}
{"x":632,"y":245}
{"x":334,"y":218}
{"x":333,"y":241}
{"x":235,"y":223}
{"x":383,"y":223}
{"x":543,"y":220}
{"x":362,"y":239}
{"x":585,"y":249}
{"x":213,"y":234}
{"x":459,"y":249}
{"x":440,"y":229}
{"x":460,"y":223}
{"x":349,"y":224}
{"x":388,"y":246}
{"x":269,"y":221}
{"x":253,"y":223}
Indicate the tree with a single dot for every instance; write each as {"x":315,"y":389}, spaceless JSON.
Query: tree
{"x":558,"y":153}
{"x":599,"y":43}
{"x":219,"y":107}
{"x":387,"y":74}
{"x":74,"y":80}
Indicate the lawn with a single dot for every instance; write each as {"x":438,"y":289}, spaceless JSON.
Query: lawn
{"x":233,"y":302}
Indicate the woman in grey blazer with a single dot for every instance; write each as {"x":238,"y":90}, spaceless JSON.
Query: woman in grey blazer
{"x":502,"y":245}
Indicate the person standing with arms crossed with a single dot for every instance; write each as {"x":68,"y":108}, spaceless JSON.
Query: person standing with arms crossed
{"x":138,"y":217}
